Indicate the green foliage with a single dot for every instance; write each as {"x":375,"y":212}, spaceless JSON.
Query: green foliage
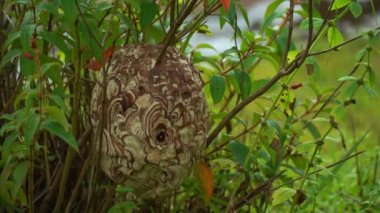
{"x":217,"y":88}
{"x":286,"y":113}
{"x":282,"y":195}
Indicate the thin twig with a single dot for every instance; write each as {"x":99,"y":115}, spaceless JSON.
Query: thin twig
{"x":257,"y":191}
{"x":170,"y":38}
{"x":220,"y":146}
{"x":335,"y":48}
{"x":290,"y":32}
{"x":74,"y":193}
{"x":319,"y":170}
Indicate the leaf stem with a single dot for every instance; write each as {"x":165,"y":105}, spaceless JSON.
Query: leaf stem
{"x":319,"y":144}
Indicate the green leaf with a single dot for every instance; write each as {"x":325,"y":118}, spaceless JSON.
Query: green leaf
{"x":317,"y":23}
{"x":9,"y":140}
{"x":148,"y":11}
{"x":269,"y":19}
{"x":23,"y":1}
{"x":59,"y":102}
{"x":90,"y":34}
{"x":244,"y":14}
{"x":31,"y":98}
{"x":299,"y":161}
{"x":12,"y":36}
{"x":10,"y":56}
{"x":123,"y":189}
{"x":70,"y":9}
{"x":282,"y":194}
{"x":312,"y":129}
{"x":356,"y":9}
{"x":268,"y":57}
{"x":7,"y":117}
{"x":103,"y":6}
{"x":28,"y":67}
{"x":338,"y":111}
{"x":286,"y":102}
{"x":155,"y":33}
{"x":371,"y":77}
{"x":217,"y":87}
{"x":19,"y":175}
{"x":232,"y":15}
{"x":205,"y":46}
{"x":7,"y":127}
{"x":244,"y":82}
{"x":55,"y":128}
{"x":334,"y":36}
{"x":21,"y":198}
{"x":292,"y":55}
{"x":351,"y":89}
{"x":348,"y":78}
{"x":275,"y":125}
{"x":360,"y":54}
{"x":340,"y":3}
{"x":49,"y":7}
{"x":26,"y":35}
{"x":272,"y":7}
{"x":56,"y":39}
{"x":222,"y":17}
{"x":52,"y":70}
{"x":134,"y":4}
{"x":370,"y":91}
{"x":58,"y":115}
{"x":124,"y":206}
{"x":239,"y":151}
{"x":30,"y":126}
{"x":203,"y":29}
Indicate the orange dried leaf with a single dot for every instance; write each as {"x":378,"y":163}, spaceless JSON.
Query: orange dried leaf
{"x":206,"y":178}
{"x":226,"y":4}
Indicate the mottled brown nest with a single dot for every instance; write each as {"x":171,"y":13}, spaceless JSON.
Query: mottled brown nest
{"x":155,"y":119}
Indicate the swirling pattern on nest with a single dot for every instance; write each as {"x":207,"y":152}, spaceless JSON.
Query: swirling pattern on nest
{"x":155,"y":119}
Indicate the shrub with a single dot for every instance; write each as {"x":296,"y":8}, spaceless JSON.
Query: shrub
{"x":269,"y":146}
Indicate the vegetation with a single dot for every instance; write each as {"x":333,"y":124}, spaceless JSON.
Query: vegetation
{"x":294,"y":123}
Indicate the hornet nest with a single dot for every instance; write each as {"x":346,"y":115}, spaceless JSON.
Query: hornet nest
{"x":154,"y":121}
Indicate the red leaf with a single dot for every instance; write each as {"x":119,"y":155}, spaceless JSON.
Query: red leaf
{"x":27,"y":55}
{"x":107,"y":54}
{"x":226,"y":4}
{"x":93,"y":65}
{"x":206,"y":178}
